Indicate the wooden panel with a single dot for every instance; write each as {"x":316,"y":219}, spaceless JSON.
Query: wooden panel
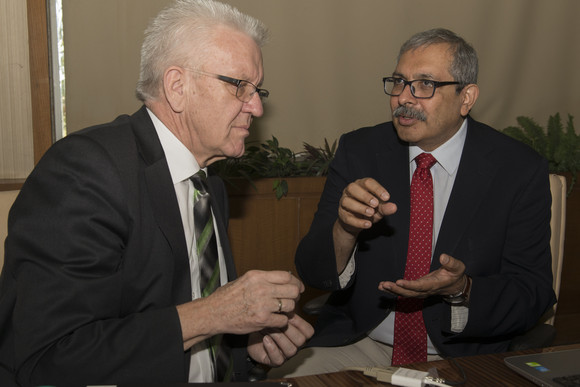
{"x":264,"y":231}
{"x":264,"y":236}
{"x":40,"y":76}
{"x":308,"y":207}
{"x":10,"y":184}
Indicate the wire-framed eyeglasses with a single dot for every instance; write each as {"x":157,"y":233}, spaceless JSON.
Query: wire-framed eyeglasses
{"x":245,"y":90}
{"x":420,"y":88}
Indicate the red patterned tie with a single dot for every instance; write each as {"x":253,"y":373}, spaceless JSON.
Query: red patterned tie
{"x":410,"y":340}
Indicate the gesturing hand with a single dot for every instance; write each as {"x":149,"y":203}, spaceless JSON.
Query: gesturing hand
{"x":448,"y":279}
{"x":363,"y":203}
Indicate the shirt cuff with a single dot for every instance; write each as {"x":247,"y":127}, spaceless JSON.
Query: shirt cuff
{"x":346,"y":275}
{"x":459,"y":317}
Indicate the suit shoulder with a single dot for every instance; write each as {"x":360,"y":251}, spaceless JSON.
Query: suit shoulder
{"x":370,"y":135}
{"x":113,"y":131}
{"x":500,"y":144}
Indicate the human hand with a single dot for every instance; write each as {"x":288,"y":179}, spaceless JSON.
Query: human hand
{"x":254,"y":301}
{"x":448,"y":279}
{"x":273,"y":346}
{"x":363,"y":203}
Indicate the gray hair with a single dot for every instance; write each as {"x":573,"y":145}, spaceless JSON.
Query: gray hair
{"x":464,"y":67}
{"x":187,"y":21}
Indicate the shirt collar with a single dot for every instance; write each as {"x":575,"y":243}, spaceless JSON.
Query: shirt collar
{"x":448,"y":155}
{"x":182,"y":164}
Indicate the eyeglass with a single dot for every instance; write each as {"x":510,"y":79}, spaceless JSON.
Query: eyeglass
{"x":244,"y":90}
{"x":420,"y":88}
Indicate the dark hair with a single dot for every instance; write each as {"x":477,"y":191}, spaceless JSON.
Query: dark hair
{"x":464,"y":67}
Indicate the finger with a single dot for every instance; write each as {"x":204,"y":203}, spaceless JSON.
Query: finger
{"x":352,"y":223}
{"x":292,"y":337}
{"x":284,"y":305}
{"x":284,"y":341}
{"x":277,"y":284}
{"x":396,"y":289}
{"x":367,"y":191}
{"x":297,"y":331}
{"x":386,"y":286}
{"x":279,"y":277}
{"x":276,"y":320}
{"x":274,"y":355}
{"x":454,"y":266}
{"x":302,"y":325}
{"x":386,"y":209}
{"x":356,"y":208}
{"x":377,"y":190}
{"x":288,"y":293}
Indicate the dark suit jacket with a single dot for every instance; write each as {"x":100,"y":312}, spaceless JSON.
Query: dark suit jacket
{"x":96,"y":261}
{"x":496,"y":222}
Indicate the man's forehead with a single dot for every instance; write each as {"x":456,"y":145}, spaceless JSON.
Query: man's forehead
{"x":425,"y":62}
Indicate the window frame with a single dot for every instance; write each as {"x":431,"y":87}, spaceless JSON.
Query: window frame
{"x":40,"y":84}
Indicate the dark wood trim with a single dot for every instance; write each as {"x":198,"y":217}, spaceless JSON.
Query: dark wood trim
{"x":40,"y":83}
{"x":10,"y":184}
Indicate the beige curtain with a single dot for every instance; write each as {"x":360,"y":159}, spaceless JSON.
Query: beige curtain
{"x":326,"y":58}
{"x":16,"y":148}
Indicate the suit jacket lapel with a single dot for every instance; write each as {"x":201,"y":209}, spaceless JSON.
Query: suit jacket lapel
{"x":472,"y":183}
{"x":162,"y":197}
{"x":394,"y":176}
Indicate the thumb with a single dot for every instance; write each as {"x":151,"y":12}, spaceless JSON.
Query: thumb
{"x":451,"y":264}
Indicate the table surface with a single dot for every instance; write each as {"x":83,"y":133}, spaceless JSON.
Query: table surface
{"x":481,"y":370}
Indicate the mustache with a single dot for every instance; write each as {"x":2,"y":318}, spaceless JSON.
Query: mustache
{"x":409,"y":112}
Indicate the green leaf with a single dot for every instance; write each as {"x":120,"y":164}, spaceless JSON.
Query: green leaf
{"x":560,"y":147}
{"x":280,"y":187}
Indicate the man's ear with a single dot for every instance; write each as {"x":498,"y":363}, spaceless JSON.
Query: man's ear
{"x":469,"y":95}
{"x":174,"y":88}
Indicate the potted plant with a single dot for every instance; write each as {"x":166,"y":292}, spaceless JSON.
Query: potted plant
{"x":270,"y":160}
{"x":561,"y":147}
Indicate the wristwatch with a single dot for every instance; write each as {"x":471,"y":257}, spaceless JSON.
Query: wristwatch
{"x":460,"y":298}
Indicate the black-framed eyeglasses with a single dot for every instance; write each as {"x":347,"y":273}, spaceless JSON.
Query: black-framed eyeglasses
{"x":420,"y":88}
{"x":245,"y":90}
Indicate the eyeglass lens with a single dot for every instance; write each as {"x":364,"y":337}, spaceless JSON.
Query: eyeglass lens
{"x":246,"y":91}
{"x":419,"y":88}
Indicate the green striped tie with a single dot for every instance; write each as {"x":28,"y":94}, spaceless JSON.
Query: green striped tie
{"x":206,"y":246}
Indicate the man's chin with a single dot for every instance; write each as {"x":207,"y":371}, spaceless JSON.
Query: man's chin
{"x":237,"y":152}
{"x":408,"y":133}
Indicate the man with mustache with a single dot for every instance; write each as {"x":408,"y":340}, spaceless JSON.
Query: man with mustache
{"x":432,"y":230}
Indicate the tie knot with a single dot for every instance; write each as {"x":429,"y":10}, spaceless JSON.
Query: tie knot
{"x":199,"y":181}
{"x":425,"y":160}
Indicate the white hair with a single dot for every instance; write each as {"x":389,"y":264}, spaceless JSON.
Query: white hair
{"x":184,"y":28}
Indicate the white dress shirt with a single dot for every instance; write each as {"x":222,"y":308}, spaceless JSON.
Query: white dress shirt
{"x":443,"y":173}
{"x":182,"y":165}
